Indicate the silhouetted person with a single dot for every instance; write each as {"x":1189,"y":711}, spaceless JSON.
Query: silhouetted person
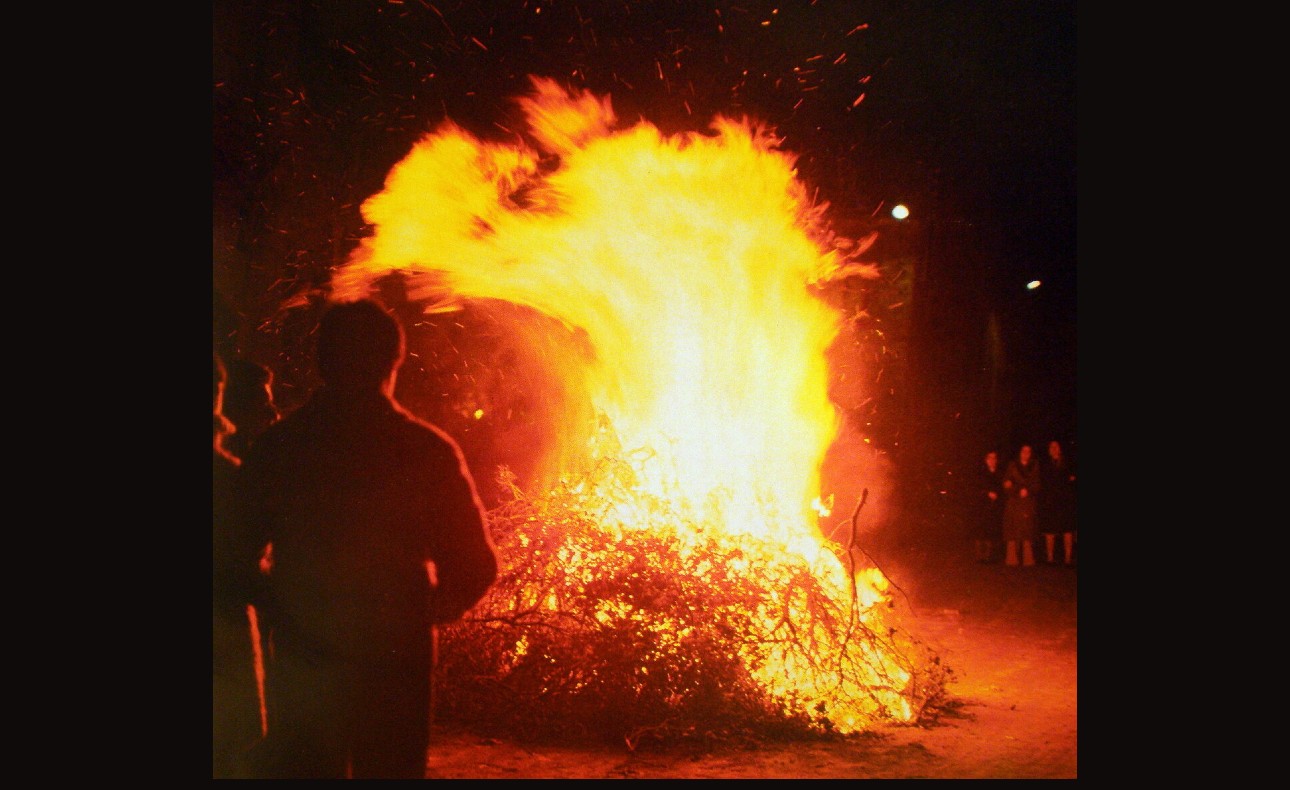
{"x":1057,"y":504}
{"x":1021,"y":484}
{"x":362,"y":505}
{"x":235,"y":704}
{"x":248,"y":403}
{"x":986,"y":506}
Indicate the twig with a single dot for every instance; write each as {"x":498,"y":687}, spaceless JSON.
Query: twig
{"x":855,"y":544}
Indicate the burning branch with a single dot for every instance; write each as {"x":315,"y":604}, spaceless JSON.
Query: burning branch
{"x":670,"y":632}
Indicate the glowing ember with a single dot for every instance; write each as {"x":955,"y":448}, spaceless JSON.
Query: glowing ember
{"x":685,"y":264}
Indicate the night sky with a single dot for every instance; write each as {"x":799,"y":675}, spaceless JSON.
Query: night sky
{"x":964,"y":110}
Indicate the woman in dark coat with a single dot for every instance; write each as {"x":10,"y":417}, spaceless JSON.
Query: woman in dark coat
{"x":986,"y":506}
{"x":1021,"y":483}
{"x":1057,"y":504}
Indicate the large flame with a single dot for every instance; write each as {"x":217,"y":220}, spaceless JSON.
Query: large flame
{"x":685,"y":263}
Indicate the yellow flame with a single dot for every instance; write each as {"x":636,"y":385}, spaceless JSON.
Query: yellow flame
{"x":685,"y":263}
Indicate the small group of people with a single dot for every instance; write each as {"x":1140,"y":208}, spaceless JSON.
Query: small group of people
{"x":344,"y":534}
{"x":1012,"y":506}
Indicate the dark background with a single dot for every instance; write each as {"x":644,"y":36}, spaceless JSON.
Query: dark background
{"x":965,"y":111}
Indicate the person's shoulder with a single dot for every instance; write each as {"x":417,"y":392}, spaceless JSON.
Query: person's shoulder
{"x":425,"y":432}
{"x":224,"y":465}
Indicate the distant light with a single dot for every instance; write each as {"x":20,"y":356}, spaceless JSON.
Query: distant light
{"x":479,"y":414}
{"x":900,"y":211}
{"x":1033,"y":284}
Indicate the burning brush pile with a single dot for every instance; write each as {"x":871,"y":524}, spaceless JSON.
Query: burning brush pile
{"x":667,"y":580}
{"x":671,"y":631}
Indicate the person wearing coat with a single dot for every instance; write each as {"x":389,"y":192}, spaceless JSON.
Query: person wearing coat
{"x":985,"y":506}
{"x":367,"y":528}
{"x":1057,"y":514}
{"x":1021,"y":484}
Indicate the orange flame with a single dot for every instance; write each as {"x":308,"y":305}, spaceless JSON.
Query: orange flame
{"x":685,"y":263}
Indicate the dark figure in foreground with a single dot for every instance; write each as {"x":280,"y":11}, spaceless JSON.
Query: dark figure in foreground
{"x":987,"y":506}
{"x":249,"y":406}
{"x":1021,"y":484}
{"x":1057,"y":511}
{"x":235,"y":708}
{"x":375,"y":534}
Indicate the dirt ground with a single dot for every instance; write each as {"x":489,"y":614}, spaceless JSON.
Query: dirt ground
{"x":1008,"y":635}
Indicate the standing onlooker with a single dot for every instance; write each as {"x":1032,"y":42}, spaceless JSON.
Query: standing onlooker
{"x":250,"y":406}
{"x":376,"y":534}
{"x":1021,"y":484}
{"x":986,"y":506}
{"x":235,"y":707}
{"x":1057,"y":506}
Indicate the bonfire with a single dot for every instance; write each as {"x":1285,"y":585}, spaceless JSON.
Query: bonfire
{"x":665,"y":578}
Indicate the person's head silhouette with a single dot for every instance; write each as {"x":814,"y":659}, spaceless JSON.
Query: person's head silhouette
{"x":360,"y":346}
{"x":248,"y":401}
